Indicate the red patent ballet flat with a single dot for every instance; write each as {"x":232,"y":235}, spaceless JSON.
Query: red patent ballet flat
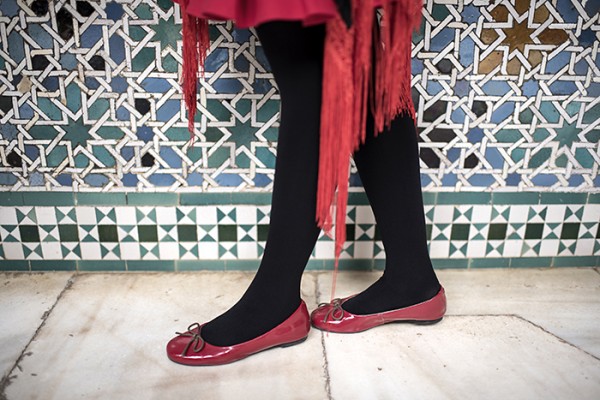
{"x":332,"y":317}
{"x":190,"y":349}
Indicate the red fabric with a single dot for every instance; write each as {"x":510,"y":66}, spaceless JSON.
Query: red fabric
{"x":250,"y":13}
{"x":346,"y":78}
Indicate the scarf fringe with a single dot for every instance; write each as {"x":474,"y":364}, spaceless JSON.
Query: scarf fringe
{"x":196,"y":43}
{"x":346,"y":75}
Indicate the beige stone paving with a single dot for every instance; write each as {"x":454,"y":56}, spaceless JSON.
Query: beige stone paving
{"x":508,"y":334}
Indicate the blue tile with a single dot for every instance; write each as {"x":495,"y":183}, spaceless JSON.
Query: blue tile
{"x":156,"y":85}
{"x":544,"y":180}
{"x":466,"y":52}
{"x":172,"y":158}
{"x":8,"y":131}
{"x":68,"y":61}
{"x":195,"y":179}
{"x":161,"y":179}
{"x":15,"y":44}
{"x":7,"y":178}
{"x":215,"y":59}
{"x":482,"y":180}
{"x":229,"y":180}
{"x":513,"y":179}
{"x":117,"y":48}
{"x":89,"y":37}
{"x":114,"y":11}
{"x":503,"y":112}
{"x":145,"y":133}
{"x":475,"y":135}
{"x":442,"y":39}
{"x":530,"y":88}
{"x":470,"y":14}
{"x":130,"y":180}
{"x":40,"y":35}
{"x":119,"y":85}
{"x":449,"y":179}
{"x":558,"y":62}
{"x":169,"y":109}
{"x":96,"y":180}
{"x":496,"y":88}
{"x":494,"y":157}
{"x":9,"y":8}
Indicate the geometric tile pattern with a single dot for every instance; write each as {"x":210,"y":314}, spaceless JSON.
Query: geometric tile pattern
{"x":239,"y":232}
{"x":507,"y":92}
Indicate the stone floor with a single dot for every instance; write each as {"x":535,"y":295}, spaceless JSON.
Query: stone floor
{"x":508,"y":334}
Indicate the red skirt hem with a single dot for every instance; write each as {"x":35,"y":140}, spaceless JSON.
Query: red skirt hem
{"x":253,"y":13}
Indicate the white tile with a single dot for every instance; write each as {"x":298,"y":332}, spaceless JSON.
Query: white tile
{"x":168,"y":251}
{"x":462,"y":357}
{"x":476,"y":248}
{"x":363,"y":249}
{"x":246,"y":215}
{"x":206,"y":215}
{"x":130,"y":251}
{"x":13,"y":251}
{"x":443,"y":214}
{"x":24,"y":299}
{"x":51,"y":250}
{"x":90,"y":251}
{"x":166,"y":215}
{"x":519,"y":214}
{"x":247,"y":250}
{"x":591,"y":213}
{"x":107,"y":336}
{"x":208,"y":250}
{"x":364,"y":215}
{"x":45,"y":215}
{"x":556,"y":213}
{"x":8,"y":216}
{"x":86,"y":215}
{"x":481,"y":214}
{"x":126,"y":215}
{"x":549,"y":247}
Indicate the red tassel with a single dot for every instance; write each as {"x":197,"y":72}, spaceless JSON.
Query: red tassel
{"x":196,"y":43}
{"x":346,"y":77}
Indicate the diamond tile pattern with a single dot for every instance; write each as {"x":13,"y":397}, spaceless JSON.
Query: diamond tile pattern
{"x":500,"y":231}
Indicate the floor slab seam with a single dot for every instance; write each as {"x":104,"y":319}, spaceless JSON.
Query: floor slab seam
{"x":530,"y":322}
{"x":323,"y":348}
{"x":6,"y":380}
{"x":558,"y":337}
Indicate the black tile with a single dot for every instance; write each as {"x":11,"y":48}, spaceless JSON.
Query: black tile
{"x":534,"y":231}
{"x":29,"y":233}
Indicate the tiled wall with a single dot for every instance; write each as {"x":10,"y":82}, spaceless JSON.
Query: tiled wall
{"x":95,"y":175}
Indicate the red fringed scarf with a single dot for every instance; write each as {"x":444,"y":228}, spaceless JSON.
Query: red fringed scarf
{"x":346,"y":77}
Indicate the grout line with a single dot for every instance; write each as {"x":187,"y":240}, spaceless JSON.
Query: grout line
{"x":558,"y":337}
{"x":6,"y":380}
{"x":325,"y":361}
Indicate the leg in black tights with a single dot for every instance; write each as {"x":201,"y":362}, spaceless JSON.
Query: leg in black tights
{"x":295,"y":55}
{"x":388,"y":166}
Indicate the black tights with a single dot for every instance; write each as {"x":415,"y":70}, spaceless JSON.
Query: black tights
{"x":389,"y":170}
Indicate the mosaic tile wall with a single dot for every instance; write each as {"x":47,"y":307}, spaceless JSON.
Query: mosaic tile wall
{"x":95,"y":173}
